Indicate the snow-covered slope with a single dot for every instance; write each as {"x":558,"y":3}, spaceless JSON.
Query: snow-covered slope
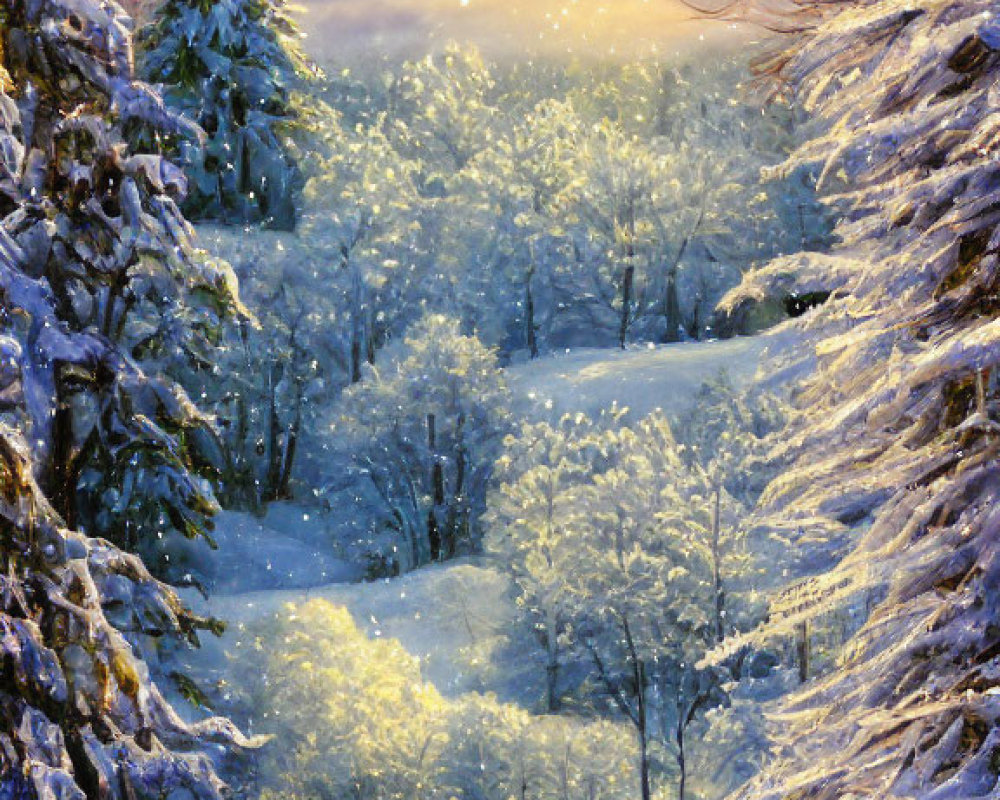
{"x":292,"y":547}
{"x":455,"y":617}
{"x":640,"y":378}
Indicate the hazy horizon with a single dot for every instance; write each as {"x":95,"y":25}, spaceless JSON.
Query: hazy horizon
{"x":347,"y":30}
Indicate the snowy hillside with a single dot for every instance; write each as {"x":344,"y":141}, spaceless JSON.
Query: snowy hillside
{"x":453,"y":617}
{"x":641,"y":379}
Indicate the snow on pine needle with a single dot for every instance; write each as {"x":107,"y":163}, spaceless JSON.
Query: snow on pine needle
{"x":895,"y":449}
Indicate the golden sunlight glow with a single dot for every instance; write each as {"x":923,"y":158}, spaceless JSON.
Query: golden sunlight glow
{"x":617,"y":28}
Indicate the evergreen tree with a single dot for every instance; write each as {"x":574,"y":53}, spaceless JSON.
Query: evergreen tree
{"x":230,"y":66}
{"x":99,"y":280}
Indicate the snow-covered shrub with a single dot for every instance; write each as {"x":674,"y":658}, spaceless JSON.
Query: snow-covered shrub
{"x":352,"y":715}
{"x":424,"y":427}
{"x":231,"y":67}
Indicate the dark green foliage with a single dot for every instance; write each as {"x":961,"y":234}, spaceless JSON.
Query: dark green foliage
{"x":230,"y":66}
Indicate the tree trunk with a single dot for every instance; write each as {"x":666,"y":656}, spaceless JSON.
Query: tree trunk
{"x":458,"y":528}
{"x":291,"y":443}
{"x":355,"y":356}
{"x":437,"y":492}
{"x":672,"y":309}
{"x":720,"y":595}
{"x":243,"y":466}
{"x":446,"y":543}
{"x":529,"y":318}
{"x":369,"y":336}
{"x":627,"y":280}
{"x":671,"y":304}
{"x":552,"y":667}
{"x":245,"y":487}
{"x":639,"y":676}
{"x":681,"y":762}
{"x":644,"y":764}
{"x":694,"y":329}
{"x":59,"y":473}
{"x":358,"y":325}
{"x":802,"y":650}
{"x":274,"y":452}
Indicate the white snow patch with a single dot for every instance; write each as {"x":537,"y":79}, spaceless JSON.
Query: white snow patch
{"x":290,"y":548}
{"x":641,"y":378}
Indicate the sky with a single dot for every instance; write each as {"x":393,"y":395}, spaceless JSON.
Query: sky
{"x":345,"y":30}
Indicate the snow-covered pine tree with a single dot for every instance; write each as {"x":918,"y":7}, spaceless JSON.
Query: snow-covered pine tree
{"x":104,"y":253}
{"x":96,"y":272}
{"x":897,"y":440}
{"x":231,"y":66}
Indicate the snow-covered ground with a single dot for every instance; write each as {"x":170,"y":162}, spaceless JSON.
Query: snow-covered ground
{"x":291,"y":547}
{"x":642,"y":378}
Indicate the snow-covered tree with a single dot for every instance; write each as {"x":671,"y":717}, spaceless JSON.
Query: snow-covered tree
{"x":119,"y":443}
{"x":614,"y":206}
{"x":530,"y":518}
{"x":280,"y":370}
{"x":502,"y":233}
{"x":100,"y":286}
{"x":612,"y":540}
{"x":497,"y":196}
{"x":707,"y":215}
{"x":441,"y":113}
{"x":231,"y":67}
{"x":638,"y":570}
{"x":360,"y":213}
{"x":725,"y":437}
{"x":424,"y":426}
{"x":894,"y":448}
{"x":354,"y":716}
